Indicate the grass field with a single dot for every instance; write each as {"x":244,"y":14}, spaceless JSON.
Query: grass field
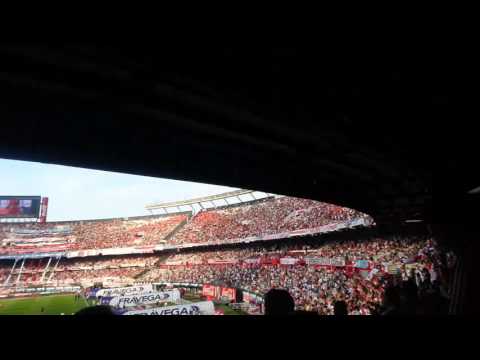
{"x":58,"y":304}
{"x":52,"y":305}
{"x":226,"y":309}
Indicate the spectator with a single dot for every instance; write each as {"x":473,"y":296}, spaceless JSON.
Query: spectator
{"x":278,"y":302}
{"x":392,"y":303}
{"x":96,"y":310}
{"x":340,"y":308}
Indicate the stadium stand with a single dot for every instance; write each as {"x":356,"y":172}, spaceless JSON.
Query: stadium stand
{"x":318,"y":287}
{"x":239,"y":221}
{"x":317,"y":272}
{"x":118,"y":233}
{"x":271,"y":216}
{"x":79,"y":235}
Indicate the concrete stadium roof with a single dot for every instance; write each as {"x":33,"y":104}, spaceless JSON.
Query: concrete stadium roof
{"x":365,"y":132}
{"x":198,"y":200}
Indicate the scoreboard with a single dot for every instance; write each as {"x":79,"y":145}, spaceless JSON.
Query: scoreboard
{"x":20,"y":206}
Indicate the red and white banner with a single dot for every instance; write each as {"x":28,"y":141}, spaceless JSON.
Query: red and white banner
{"x":210,"y":291}
{"x":222,"y":262}
{"x":228,"y":293}
{"x":252,"y":261}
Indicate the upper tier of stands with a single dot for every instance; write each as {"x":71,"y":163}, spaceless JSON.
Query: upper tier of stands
{"x":269,"y":216}
{"x":272,"y":216}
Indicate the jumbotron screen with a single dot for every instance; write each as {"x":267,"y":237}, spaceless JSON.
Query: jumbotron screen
{"x":19,"y":206}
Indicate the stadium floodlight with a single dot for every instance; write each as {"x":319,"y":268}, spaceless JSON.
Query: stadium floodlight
{"x":475,"y":191}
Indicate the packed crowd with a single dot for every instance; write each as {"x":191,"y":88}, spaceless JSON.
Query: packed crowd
{"x":376,"y":250}
{"x":75,"y":270}
{"x":267,"y":217}
{"x":4,"y":271}
{"x":121,"y":233}
{"x":273,"y":216}
{"x":313,"y":289}
{"x":95,"y":275}
{"x":30,"y":273}
{"x":417,"y":264}
{"x":317,"y":288}
{"x":93,"y":234}
{"x":112,"y":262}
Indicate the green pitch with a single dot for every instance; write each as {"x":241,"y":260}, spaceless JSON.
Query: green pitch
{"x":66,"y":304}
{"x":226,"y":309}
{"x":51,"y":304}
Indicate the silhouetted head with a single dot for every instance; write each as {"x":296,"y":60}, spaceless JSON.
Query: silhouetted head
{"x":96,"y":310}
{"x":392,"y":297}
{"x":340,"y":308}
{"x":279,"y":302}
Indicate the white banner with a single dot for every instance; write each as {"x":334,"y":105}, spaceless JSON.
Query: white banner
{"x":252,"y":261}
{"x":288,"y":261}
{"x":200,"y":308}
{"x":36,"y":240}
{"x":325,"y":261}
{"x":82,"y":253}
{"x":219,"y":262}
{"x":145,"y":299}
{"x":125,"y":290}
{"x":337,"y":262}
{"x":53,"y":231}
{"x":111,"y":251}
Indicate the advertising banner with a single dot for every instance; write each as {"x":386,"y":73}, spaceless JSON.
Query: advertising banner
{"x":121,"y":291}
{"x":210,"y":291}
{"x":228,"y":293}
{"x":37,"y":241}
{"x":200,"y":308}
{"x":116,"y":251}
{"x":111,"y":251}
{"x":82,"y":253}
{"x":32,"y":256}
{"x":63,"y":230}
{"x":220,"y":262}
{"x":324,"y":261}
{"x":145,"y":299}
{"x":274,"y":236}
{"x":299,"y":232}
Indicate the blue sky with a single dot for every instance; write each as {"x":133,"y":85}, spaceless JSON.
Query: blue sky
{"x":76,"y":193}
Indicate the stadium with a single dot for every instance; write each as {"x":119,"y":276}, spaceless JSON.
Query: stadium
{"x":221,"y":259}
{"x":351,"y":143}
